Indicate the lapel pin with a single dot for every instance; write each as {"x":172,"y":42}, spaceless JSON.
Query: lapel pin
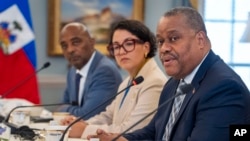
{"x":193,"y":90}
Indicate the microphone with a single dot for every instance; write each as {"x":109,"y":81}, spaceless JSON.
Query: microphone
{"x":183,"y":88}
{"x":47,"y":64}
{"x":25,"y":131}
{"x":136,"y":81}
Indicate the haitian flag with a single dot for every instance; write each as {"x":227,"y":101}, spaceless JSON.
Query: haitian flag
{"x":17,"y":52}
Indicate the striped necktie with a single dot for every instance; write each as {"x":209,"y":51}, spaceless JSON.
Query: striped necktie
{"x":175,"y":110}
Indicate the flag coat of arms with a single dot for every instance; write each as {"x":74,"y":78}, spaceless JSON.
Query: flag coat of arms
{"x":17,"y":52}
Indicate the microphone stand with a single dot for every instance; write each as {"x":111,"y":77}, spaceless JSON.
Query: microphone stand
{"x":47,"y":64}
{"x":24,"y":131}
{"x":78,"y":119}
{"x":185,"y":89}
{"x":136,"y":81}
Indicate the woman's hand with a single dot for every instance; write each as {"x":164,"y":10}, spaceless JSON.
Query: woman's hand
{"x":104,"y":136}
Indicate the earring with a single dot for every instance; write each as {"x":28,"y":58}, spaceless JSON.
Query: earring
{"x":145,"y":55}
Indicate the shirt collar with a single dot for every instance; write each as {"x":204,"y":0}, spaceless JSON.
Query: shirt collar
{"x":84,"y":70}
{"x":188,"y":79}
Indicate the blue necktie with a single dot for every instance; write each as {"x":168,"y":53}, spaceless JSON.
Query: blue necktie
{"x":175,"y":110}
{"x":78,"y":78}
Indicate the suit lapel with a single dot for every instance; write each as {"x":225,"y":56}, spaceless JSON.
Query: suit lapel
{"x":89,"y":77}
{"x":206,"y":64}
{"x":128,"y":103}
{"x":118,"y":99}
{"x":199,"y":76}
{"x":131,"y":98}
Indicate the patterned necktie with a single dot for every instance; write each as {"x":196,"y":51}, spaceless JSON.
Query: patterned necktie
{"x":175,"y":110}
{"x":78,"y":78}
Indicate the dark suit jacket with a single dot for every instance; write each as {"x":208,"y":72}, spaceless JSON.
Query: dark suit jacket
{"x":102,"y":83}
{"x":219,"y":98}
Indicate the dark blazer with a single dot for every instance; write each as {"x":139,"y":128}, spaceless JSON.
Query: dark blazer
{"x":102,"y":83}
{"x":219,"y":98}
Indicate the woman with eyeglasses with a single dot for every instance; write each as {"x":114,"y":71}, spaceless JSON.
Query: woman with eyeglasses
{"x":133,"y":46}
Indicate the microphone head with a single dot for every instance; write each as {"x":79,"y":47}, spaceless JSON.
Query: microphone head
{"x":138,"y":80}
{"x":47,"y":64}
{"x":186,"y":88}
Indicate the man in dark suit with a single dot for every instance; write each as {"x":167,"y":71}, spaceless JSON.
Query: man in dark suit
{"x":99,"y":78}
{"x":218,"y":99}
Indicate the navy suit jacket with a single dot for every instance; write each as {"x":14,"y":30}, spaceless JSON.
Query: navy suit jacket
{"x":101,"y":84}
{"x":219,"y":98}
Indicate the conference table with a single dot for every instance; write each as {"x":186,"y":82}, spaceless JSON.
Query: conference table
{"x":6,"y":105}
{"x":41,"y":126}
{"x":70,"y":139}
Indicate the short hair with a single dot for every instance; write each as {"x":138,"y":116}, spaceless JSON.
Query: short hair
{"x":193,"y":19}
{"x":80,"y":25}
{"x":138,"y":29}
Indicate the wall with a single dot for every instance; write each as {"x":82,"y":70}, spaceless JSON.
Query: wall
{"x":52,"y":79}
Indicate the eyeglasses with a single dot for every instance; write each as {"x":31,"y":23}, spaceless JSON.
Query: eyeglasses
{"x":128,"y":46}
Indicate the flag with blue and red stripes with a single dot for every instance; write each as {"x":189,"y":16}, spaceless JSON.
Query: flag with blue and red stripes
{"x":17,"y":52}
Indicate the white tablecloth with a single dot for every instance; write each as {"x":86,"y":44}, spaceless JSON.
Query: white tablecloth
{"x":6,"y":105}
